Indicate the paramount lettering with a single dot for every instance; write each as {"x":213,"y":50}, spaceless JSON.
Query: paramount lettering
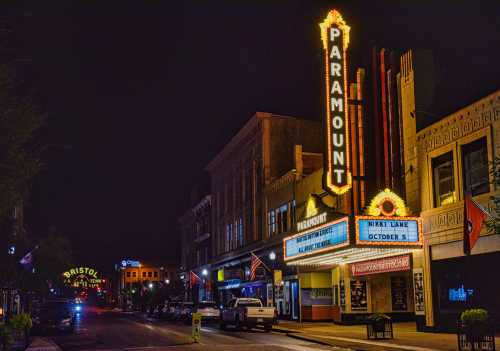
{"x":335,"y":40}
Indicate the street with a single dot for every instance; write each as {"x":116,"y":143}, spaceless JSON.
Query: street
{"x":99,"y":329}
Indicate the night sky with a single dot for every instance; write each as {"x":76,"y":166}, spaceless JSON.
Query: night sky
{"x":141,"y":95}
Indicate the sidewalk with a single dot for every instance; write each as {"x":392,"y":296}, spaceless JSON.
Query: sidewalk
{"x":42,"y":344}
{"x":406,"y":337}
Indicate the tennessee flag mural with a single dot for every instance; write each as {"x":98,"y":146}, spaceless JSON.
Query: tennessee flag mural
{"x":474,"y":217}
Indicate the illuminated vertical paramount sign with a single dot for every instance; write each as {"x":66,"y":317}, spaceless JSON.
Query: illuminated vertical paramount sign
{"x":335,"y":37}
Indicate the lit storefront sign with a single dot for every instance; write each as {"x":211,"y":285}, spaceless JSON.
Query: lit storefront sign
{"x":81,"y":270}
{"x":82,"y":277}
{"x":335,"y":38}
{"x":383,"y":265}
{"x":325,"y":238}
{"x":130,"y":263}
{"x":311,"y":222}
{"x":388,"y":230}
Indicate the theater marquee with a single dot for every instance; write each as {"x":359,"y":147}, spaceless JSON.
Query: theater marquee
{"x":381,"y":230}
{"x":335,"y":37}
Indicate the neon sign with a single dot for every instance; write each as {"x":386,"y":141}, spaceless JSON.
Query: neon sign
{"x":335,"y":37}
{"x":311,"y":222}
{"x":81,"y":270}
{"x":82,"y":277}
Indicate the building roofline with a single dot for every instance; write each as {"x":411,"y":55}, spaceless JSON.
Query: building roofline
{"x":462,"y":110}
{"x":242,"y":133}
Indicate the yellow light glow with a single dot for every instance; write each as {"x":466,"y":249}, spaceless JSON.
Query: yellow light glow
{"x":334,"y":17}
{"x":375,"y":208}
{"x":311,"y":209}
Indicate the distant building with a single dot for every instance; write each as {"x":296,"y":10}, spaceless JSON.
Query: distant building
{"x":196,"y":252}
{"x":133,"y":275}
{"x":260,"y":153}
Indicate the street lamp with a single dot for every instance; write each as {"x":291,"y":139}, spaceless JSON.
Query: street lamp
{"x":204,"y":272}
{"x":167,"y":281}
{"x":272,"y":257}
{"x":150,"y":285}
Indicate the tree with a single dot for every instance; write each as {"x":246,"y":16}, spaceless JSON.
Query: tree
{"x":52,"y":258}
{"x":494,"y":223}
{"x":19,"y":155}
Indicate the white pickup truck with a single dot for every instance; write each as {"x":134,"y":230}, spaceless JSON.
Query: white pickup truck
{"x":247,"y":312}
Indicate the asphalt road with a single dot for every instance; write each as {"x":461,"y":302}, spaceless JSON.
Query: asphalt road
{"x":109,"y":330}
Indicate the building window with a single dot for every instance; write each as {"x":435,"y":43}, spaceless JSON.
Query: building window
{"x":475,"y":167}
{"x":134,"y":274}
{"x":292,"y":213}
{"x":144,"y":274}
{"x":444,"y":181}
{"x":156,"y":274}
{"x":228,"y":239}
{"x":198,"y":259}
{"x":128,"y":274}
{"x":240,"y":232}
{"x":150,"y":274}
{"x":271,"y":217}
{"x":283,"y":226}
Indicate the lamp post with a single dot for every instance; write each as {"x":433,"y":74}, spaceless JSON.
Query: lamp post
{"x":272,"y":257}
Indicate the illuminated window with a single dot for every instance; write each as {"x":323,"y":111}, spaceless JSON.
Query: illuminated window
{"x":240,"y":232}
{"x":444,"y":181}
{"x":475,"y":167}
{"x":271,"y":222}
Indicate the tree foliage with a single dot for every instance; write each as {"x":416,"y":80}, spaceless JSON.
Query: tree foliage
{"x":19,"y":154}
{"x":493,"y":223}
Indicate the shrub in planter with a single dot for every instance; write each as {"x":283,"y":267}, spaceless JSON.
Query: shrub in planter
{"x":474,"y":317}
{"x":5,"y":336}
{"x":475,"y":330}
{"x":22,"y":323}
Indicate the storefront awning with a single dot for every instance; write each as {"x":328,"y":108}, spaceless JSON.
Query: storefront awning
{"x":349,"y":255}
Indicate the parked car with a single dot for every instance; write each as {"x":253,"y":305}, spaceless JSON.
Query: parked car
{"x":53,"y":316}
{"x":247,"y":312}
{"x":170,"y":310}
{"x":208,"y":309}
{"x":185,"y":311}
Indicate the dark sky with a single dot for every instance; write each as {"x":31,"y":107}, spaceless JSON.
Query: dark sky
{"x":141,"y":95}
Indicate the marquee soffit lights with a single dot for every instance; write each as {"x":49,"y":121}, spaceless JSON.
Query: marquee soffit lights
{"x":337,"y":176}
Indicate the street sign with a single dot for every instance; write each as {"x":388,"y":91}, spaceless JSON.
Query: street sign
{"x":196,"y":327}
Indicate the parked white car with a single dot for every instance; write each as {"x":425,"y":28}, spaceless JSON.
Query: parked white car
{"x":247,"y":312}
{"x":208,"y":309}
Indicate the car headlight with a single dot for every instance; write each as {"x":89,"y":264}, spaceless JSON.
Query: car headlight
{"x":66,"y":321}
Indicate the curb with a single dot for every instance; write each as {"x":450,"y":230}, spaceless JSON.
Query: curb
{"x":296,"y":335}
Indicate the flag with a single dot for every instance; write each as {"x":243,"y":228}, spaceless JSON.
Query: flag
{"x":474,"y":217}
{"x":27,"y":260}
{"x":255,"y":263}
{"x":193,"y":279}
